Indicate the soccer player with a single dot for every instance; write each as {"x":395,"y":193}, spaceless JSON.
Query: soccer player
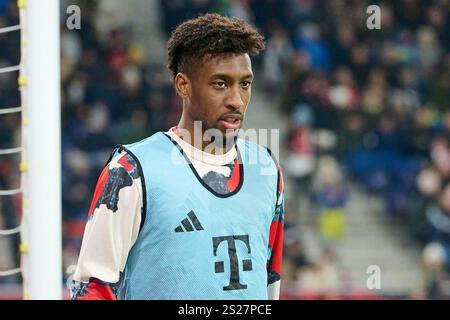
{"x":174,"y":219}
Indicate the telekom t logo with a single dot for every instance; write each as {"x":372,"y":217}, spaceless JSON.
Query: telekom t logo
{"x":234,"y":263}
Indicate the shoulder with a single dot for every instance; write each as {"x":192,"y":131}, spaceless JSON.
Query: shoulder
{"x":150,"y":146}
{"x":124,"y":162}
{"x":249,"y":146}
{"x":151,"y":140}
{"x":251,"y":151}
{"x":119,"y":175}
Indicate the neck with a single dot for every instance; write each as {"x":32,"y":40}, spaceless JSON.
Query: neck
{"x":193,"y":133}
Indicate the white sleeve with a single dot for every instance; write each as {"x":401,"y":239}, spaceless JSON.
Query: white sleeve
{"x":113,"y":225}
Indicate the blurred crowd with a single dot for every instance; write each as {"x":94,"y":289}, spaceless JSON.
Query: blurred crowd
{"x":369,"y":107}
{"x":365,"y":107}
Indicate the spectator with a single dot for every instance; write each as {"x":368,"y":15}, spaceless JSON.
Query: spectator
{"x":300,"y":161}
{"x":278,"y":53}
{"x":438,"y":217}
{"x":330,"y":198}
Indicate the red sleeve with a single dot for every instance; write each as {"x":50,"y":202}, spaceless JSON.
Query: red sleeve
{"x":276,"y":236}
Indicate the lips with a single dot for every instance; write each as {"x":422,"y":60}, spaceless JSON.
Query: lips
{"x":231,"y":121}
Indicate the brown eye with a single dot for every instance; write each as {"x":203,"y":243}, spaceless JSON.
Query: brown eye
{"x":220,"y":84}
{"x":246,"y":84}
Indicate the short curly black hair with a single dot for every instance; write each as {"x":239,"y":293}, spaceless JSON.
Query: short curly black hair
{"x":210,"y":34}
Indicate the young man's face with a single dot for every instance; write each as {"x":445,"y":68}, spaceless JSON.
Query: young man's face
{"x":220,"y":92}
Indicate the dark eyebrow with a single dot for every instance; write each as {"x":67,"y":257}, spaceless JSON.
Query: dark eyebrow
{"x":228,"y":78}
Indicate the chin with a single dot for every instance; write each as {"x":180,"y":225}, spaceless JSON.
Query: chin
{"x":227,"y":137}
{"x":230,"y":133}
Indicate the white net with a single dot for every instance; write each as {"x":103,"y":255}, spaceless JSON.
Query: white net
{"x":21,"y":150}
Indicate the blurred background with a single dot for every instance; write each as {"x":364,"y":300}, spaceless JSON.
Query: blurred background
{"x":364,"y":119}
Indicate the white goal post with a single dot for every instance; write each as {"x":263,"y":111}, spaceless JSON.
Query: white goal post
{"x":43,"y":149}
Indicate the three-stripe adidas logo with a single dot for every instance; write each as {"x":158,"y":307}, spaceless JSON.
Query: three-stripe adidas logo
{"x":186,"y":223}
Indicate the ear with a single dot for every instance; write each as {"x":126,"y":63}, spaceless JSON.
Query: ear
{"x":182,"y":85}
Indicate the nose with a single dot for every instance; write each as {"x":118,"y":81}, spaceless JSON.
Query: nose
{"x":235,"y":100}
